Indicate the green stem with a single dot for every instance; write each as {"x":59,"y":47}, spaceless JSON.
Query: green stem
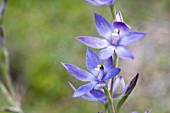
{"x":6,"y":75}
{"x":109,"y":97}
{"x":116,"y":60}
{"x":106,"y":108}
{"x":113,"y":11}
{"x":4,"y":54}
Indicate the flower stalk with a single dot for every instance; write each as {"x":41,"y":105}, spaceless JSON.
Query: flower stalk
{"x":4,"y":54}
{"x":110,"y":101}
{"x":113,"y":10}
{"x":6,"y":85}
{"x":115,"y":58}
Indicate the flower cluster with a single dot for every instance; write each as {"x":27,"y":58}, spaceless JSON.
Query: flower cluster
{"x":104,"y":82}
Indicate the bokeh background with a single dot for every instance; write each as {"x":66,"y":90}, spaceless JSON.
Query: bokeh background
{"x":41,"y":33}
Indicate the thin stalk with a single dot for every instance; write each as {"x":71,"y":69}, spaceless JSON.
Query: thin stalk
{"x":4,"y":63}
{"x":109,"y":97}
{"x":113,"y":11}
{"x":4,"y":53}
{"x":116,"y":61}
{"x":106,"y":108}
{"x":5,"y":72}
{"x":116,"y":58}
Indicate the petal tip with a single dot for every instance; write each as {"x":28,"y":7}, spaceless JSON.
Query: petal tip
{"x":63,"y":64}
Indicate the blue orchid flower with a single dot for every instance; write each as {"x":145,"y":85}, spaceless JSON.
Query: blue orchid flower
{"x":116,"y":37}
{"x":100,"y":2}
{"x":96,"y":77}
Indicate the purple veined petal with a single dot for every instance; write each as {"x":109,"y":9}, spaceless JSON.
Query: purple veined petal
{"x":134,"y":112}
{"x":79,"y":73}
{"x":131,"y":37}
{"x":92,"y":60}
{"x":148,"y":111}
{"x":106,"y":53}
{"x":103,"y":26}
{"x":100,"y":95}
{"x":112,"y":73}
{"x":108,"y":64}
{"x":119,"y":17}
{"x":123,"y":27}
{"x":105,"y":2}
{"x":118,"y":86}
{"x":89,"y":98}
{"x":93,"y":42}
{"x":93,"y":3}
{"x":93,"y":98}
{"x":86,"y":97}
{"x":97,"y":93}
{"x":100,"y":2}
{"x":84,"y":89}
{"x":123,"y":52}
{"x":100,"y":85}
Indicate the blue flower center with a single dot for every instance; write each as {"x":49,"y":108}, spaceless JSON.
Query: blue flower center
{"x":115,"y":36}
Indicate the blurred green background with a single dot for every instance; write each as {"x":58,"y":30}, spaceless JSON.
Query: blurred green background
{"x":41,"y":33}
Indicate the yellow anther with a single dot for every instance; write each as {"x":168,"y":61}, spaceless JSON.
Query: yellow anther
{"x":100,"y":67}
{"x":116,"y":30}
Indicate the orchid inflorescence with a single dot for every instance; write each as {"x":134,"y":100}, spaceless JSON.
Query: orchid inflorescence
{"x":104,"y":83}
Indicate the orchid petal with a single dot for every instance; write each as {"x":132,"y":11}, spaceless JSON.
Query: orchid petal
{"x":108,"y":64}
{"x":124,"y":53}
{"x":92,"y":60}
{"x":123,"y":28}
{"x":93,"y":42}
{"x":134,"y":112}
{"x":100,"y":85}
{"x":100,"y":95}
{"x":112,"y":73}
{"x":84,"y":89}
{"x":118,"y":86}
{"x":94,"y":3}
{"x":100,"y":2}
{"x":148,"y":111}
{"x":89,"y":98}
{"x":105,"y":2}
{"x":97,"y":93}
{"x":131,"y":38}
{"x":79,"y":73}
{"x":106,"y":53}
{"x":103,"y":26}
{"x":119,"y":17}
